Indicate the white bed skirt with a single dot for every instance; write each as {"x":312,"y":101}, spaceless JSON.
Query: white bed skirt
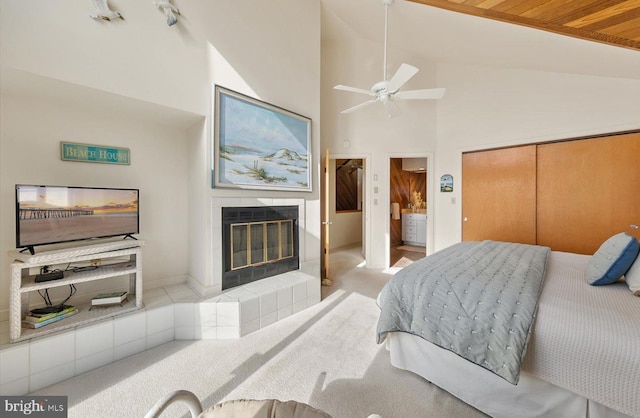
{"x":530,"y":398}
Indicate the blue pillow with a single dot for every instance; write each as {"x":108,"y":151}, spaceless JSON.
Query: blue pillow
{"x":612,"y":260}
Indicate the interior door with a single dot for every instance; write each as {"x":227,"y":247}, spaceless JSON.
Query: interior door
{"x":499,"y":195}
{"x":588,"y":190}
{"x":326,"y":223}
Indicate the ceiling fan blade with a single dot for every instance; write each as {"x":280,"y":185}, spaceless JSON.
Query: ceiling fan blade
{"x":353,"y":89}
{"x":421,"y":94}
{"x":404,"y":74}
{"x":360,"y":106}
{"x":392,"y":108}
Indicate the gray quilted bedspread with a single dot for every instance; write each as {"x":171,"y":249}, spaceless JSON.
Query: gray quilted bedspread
{"x":476,"y":299}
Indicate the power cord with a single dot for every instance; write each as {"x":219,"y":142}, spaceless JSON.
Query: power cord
{"x":72,"y":288}
{"x":47,"y":299}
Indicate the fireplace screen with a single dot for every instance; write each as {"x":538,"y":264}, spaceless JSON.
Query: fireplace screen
{"x":256,"y":243}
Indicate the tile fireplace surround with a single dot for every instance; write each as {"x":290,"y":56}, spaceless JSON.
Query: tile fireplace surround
{"x":218,"y":203}
{"x":171,"y":313}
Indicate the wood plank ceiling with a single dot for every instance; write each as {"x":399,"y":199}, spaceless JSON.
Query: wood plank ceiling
{"x":612,"y":22}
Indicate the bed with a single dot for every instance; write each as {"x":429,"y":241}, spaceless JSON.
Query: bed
{"x":581,"y":356}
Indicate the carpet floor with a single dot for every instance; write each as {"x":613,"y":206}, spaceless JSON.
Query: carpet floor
{"x":325,"y":356}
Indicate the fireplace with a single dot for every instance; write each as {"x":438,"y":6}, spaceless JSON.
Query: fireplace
{"x":258,"y":242}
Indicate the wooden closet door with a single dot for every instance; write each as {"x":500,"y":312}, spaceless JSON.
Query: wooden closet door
{"x":588,"y":190}
{"x":499,"y":195}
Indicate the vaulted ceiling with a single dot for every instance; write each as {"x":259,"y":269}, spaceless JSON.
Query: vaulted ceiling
{"x":586,"y":37}
{"x":615,"y":22}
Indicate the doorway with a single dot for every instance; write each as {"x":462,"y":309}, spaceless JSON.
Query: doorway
{"x":345,"y":224}
{"x":347,"y":208}
{"x":408,"y":202}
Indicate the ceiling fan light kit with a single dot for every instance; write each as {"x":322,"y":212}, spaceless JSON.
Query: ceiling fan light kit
{"x":388,"y":91}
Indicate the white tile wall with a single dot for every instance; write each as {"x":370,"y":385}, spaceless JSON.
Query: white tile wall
{"x":184,"y":320}
{"x":268,"y":319}
{"x":94,"y":346}
{"x":228,"y":313}
{"x":160,"y":338}
{"x":51,"y":360}
{"x":160,"y":326}
{"x":16,"y":387}
{"x":35,"y":364}
{"x":14,"y":363}
{"x":129,"y":334}
{"x":39,"y":380}
{"x":94,"y":361}
{"x":129,"y":349}
{"x":54,"y":351}
{"x":94,"y":339}
{"x":129,"y":328}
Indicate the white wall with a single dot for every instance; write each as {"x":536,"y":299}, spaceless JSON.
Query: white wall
{"x":140,"y":84}
{"x":262,"y":60}
{"x":31,"y":131}
{"x":370,"y":132}
{"x":139,"y":57}
{"x":488,"y":107}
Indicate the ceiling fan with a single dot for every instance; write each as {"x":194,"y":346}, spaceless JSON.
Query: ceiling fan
{"x":388,"y":91}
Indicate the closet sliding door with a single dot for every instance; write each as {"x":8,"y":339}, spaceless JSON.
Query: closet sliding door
{"x":587,"y":190}
{"x":499,"y":195}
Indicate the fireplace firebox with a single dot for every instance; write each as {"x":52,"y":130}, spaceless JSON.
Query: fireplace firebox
{"x":258,"y":242}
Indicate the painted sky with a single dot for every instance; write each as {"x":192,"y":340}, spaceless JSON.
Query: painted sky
{"x":99,"y":200}
{"x":252,"y":126}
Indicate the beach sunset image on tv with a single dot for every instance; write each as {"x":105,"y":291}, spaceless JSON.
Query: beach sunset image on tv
{"x":50,"y":214}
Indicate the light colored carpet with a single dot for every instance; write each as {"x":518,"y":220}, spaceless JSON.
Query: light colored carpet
{"x":325,"y":356}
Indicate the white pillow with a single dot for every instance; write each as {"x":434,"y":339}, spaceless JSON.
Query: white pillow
{"x":633,"y":277}
{"x":612,"y":260}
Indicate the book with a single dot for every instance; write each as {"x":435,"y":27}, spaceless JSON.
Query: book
{"x":39,"y":317}
{"x":33,"y":325}
{"x":108,"y":298}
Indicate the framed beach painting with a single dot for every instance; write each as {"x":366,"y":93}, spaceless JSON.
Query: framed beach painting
{"x":259,"y":146}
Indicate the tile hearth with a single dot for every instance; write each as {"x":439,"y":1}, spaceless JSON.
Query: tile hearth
{"x":171,"y":313}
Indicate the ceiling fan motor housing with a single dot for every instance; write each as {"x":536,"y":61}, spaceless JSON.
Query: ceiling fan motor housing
{"x":381,"y":87}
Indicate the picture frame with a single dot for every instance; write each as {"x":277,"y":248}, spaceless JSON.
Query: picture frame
{"x":446,"y":183}
{"x":258,"y":145}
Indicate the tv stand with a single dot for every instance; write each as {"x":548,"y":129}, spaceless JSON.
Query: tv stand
{"x":30,"y":248}
{"x":110,"y":255}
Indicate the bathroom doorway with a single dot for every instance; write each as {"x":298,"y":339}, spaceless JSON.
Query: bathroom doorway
{"x":408,"y":210}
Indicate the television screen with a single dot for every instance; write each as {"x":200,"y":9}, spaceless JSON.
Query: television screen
{"x":55,"y":214}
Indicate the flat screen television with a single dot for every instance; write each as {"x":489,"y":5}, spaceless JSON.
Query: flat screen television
{"x":56,"y":214}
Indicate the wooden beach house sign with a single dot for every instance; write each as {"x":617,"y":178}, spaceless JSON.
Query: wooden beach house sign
{"x":71,"y":151}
